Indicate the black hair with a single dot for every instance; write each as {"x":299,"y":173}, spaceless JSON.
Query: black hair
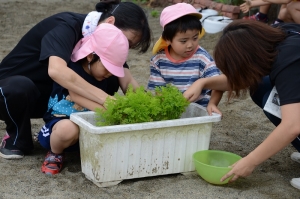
{"x":95,"y":58}
{"x":128,"y":16}
{"x":85,"y":60}
{"x":182,"y":24}
{"x":235,"y":57}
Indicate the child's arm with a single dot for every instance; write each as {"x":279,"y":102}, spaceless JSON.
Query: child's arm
{"x":278,"y":1}
{"x":218,"y":82}
{"x":127,"y":80}
{"x":215,"y":98}
{"x":245,"y":7}
{"x":84,"y":102}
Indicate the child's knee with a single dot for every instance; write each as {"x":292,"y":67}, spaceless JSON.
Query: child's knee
{"x":290,"y":7}
{"x":66,"y":130}
{"x":283,"y":14}
{"x":65,"y":136}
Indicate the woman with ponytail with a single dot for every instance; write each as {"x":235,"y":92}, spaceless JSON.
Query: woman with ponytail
{"x":42,"y":56}
{"x":263,"y":61}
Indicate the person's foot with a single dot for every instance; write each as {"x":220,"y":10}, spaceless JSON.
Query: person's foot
{"x":295,"y":156}
{"x":9,"y":151}
{"x":257,"y":17}
{"x":295,"y":182}
{"x":52,"y":163}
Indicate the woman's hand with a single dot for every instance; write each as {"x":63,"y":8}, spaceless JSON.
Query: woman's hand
{"x":242,"y":168}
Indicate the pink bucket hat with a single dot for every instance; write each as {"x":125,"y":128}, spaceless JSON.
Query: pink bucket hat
{"x":172,"y":13}
{"x":177,"y":10}
{"x":109,"y":43}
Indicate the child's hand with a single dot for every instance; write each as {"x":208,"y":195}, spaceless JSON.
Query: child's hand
{"x":212,"y":108}
{"x":245,"y":7}
{"x":109,"y":97}
{"x":193,"y":92}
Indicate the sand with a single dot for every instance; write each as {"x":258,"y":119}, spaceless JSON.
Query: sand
{"x":242,"y":128}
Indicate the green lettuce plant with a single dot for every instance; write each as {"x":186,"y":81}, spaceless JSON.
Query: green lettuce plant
{"x":142,"y":106}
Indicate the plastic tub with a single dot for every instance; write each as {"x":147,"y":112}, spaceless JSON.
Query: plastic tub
{"x":212,"y":165}
{"x":215,"y":24}
{"x":113,"y":153}
{"x":207,"y":12}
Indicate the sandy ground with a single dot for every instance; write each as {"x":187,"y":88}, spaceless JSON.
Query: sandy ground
{"x":243,"y":127}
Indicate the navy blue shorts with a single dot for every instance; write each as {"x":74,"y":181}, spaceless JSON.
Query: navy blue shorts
{"x":44,"y":136}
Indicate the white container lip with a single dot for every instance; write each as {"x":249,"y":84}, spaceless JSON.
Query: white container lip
{"x":207,"y":12}
{"x":77,"y":118}
{"x":215,"y":24}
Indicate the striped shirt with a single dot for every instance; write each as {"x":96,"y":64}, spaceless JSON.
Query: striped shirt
{"x":183,"y":73}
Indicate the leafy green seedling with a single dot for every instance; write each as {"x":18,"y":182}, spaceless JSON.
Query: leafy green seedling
{"x":142,"y":106}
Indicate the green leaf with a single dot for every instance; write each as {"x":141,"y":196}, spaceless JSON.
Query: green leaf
{"x":142,"y":106}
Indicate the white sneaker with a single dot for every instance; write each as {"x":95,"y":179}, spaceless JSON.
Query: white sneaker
{"x":296,"y":157}
{"x":295,"y":182}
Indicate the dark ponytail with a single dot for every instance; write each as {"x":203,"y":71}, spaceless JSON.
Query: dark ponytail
{"x":128,"y":16}
{"x":106,"y":5}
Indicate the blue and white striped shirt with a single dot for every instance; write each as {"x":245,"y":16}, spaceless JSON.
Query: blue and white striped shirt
{"x":182,"y":73}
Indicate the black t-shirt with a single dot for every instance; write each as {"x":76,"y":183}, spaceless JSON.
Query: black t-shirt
{"x":54,"y":36}
{"x":285,"y":74}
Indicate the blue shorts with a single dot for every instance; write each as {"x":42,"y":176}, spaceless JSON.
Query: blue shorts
{"x":45,"y":132}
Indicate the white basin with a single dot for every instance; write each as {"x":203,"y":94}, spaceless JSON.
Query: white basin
{"x":215,"y":24}
{"x":207,"y":12}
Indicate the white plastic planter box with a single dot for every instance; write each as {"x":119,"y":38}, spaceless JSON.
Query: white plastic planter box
{"x":114,"y":153}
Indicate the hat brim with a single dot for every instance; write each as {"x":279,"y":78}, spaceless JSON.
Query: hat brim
{"x":198,"y":15}
{"x":162,"y":44}
{"x":115,"y":70}
{"x":81,"y":50}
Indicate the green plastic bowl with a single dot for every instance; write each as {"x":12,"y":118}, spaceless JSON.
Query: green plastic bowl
{"x":212,"y":165}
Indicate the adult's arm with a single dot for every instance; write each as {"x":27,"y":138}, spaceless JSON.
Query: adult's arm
{"x":218,"y":82}
{"x":282,"y":136}
{"x":84,"y":102}
{"x":127,"y":80}
{"x":67,"y":78}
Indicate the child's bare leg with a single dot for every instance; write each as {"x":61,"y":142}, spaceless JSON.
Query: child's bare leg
{"x":293,"y":10}
{"x":264,"y":9}
{"x":283,"y":14}
{"x":64,"y":134}
{"x":262,"y":15}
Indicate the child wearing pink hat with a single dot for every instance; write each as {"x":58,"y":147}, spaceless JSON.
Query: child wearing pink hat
{"x":96,"y":57}
{"x":42,"y":56}
{"x":178,"y":59}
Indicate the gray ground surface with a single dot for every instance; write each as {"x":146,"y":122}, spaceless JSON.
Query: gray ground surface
{"x":243,"y":127}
